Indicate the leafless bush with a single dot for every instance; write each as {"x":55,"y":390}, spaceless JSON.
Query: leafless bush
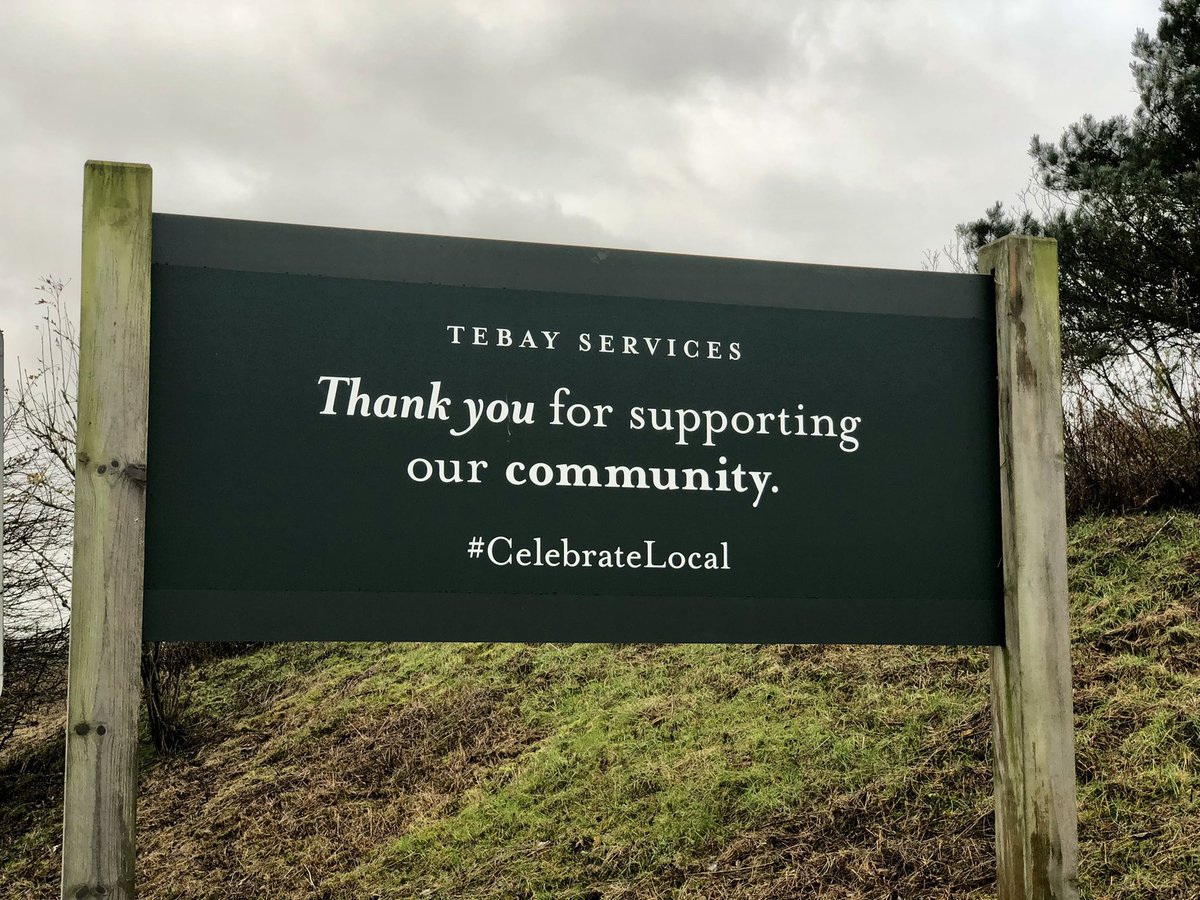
{"x":39,"y":477}
{"x":165,"y":667}
{"x":39,"y":503}
{"x":1132,"y":438}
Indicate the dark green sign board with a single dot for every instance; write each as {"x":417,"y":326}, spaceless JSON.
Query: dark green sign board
{"x":357,"y":435}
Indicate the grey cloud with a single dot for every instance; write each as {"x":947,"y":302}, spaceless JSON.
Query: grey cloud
{"x":839,"y":130}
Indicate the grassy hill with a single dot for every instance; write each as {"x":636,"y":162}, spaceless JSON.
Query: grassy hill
{"x":595,"y":771}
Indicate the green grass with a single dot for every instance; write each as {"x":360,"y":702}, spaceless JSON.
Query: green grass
{"x":683,"y":771}
{"x":651,"y":761}
{"x":1136,"y":601}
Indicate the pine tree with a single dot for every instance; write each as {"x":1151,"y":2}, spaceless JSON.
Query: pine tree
{"x":1124,"y":205}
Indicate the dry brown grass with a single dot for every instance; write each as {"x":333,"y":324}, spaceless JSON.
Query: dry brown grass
{"x":275,"y":817}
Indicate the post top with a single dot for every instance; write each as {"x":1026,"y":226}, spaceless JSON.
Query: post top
{"x":105,"y":164}
{"x":1011,"y":238}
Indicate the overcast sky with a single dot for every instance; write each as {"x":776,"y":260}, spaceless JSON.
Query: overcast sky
{"x":829,"y":131}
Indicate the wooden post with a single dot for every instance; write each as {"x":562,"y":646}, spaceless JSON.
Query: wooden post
{"x":100,"y":797}
{"x":1032,"y":722}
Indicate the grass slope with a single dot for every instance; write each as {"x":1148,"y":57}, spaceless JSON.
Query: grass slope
{"x":591,"y":771}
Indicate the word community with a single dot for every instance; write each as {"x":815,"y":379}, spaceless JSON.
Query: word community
{"x":738,"y":479}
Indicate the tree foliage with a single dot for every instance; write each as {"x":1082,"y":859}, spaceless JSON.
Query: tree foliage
{"x":1122,"y":197}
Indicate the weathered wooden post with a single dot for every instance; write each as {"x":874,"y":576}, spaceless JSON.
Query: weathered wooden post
{"x":1032,"y":720}
{"x":100,"y":797}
